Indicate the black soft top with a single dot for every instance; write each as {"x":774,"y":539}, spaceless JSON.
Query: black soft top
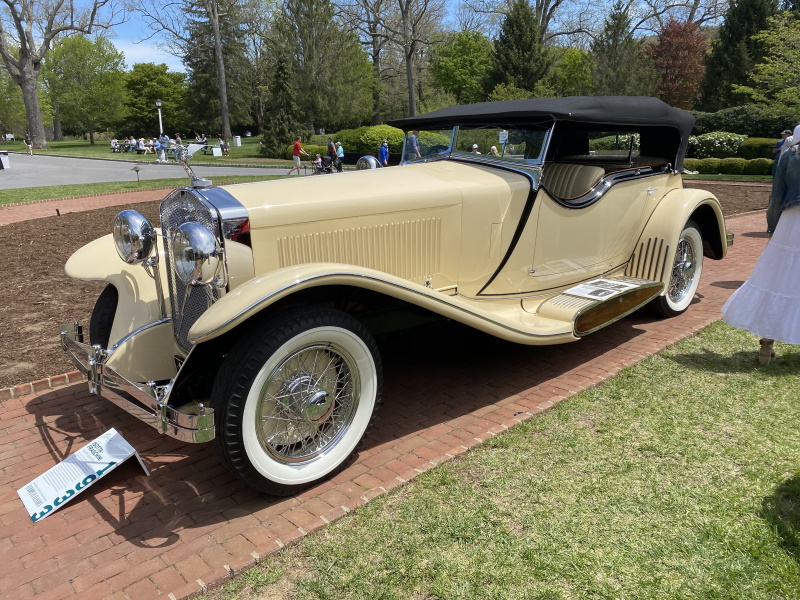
{"x":674,"y":125}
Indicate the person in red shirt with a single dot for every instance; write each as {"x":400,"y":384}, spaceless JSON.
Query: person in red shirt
{"x":296,"y":152}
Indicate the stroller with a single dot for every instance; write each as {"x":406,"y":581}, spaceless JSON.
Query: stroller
{"x":326,"y":166}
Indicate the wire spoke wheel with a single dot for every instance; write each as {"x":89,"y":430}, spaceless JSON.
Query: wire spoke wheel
{"x":307,"y":403}
{"x":295,"y":398}
{"x":685,"y":274}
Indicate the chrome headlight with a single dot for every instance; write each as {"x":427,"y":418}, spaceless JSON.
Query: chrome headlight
{"x":196,"y":255}
{"x":133,"y":236}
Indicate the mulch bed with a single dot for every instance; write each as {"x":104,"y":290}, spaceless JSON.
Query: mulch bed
{"x":38,"y":297}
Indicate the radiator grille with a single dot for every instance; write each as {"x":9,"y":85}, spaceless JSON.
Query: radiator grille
{"x":408,"y":249}
{"x":649,"y":259}
{"x":187,"y":302}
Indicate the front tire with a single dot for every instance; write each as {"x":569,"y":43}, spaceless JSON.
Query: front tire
{"x":295,"y":398}
{"x":686,"y":269}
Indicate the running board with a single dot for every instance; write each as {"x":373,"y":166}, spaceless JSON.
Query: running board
{"x":595,"y":304}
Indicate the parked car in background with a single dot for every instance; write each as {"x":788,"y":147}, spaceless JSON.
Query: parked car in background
{"x":249,"y":316}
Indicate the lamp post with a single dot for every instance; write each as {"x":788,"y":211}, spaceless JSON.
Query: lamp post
{"x":160,"y":124}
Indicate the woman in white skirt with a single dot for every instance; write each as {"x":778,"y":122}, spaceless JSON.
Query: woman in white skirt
{"x":768,"y":304}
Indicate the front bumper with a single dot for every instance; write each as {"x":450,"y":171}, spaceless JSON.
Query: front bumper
{"x":148,"y":402}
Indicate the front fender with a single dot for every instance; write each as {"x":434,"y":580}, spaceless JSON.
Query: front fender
{"x":256,"y":295}
{"x":654,"y":252}
{"x":138,"y":299}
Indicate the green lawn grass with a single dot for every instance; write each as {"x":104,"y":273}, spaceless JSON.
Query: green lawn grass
{"x":677,"y":479}
{"x":84,"y":189}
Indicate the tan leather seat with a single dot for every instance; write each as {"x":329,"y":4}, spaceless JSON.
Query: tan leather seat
{"x":567,"y":180}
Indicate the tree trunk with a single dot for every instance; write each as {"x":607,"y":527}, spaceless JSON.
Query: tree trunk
{"x":213,"y":16}
{"x":412,"y":92}
{"x":30,"y":96}
{"x":58,"y":135}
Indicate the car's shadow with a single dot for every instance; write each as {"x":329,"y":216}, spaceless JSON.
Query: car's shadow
{"x":431,"y":376}
{"x":782,"y":511}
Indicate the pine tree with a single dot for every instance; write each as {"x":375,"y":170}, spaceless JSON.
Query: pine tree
{"x":282,"y":127}
{"x":621,"y":65}
{"x":734,"y":53}
{"x":519,"y":57}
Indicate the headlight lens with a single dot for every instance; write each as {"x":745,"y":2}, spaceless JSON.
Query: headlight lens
{"x":133,"y":236}
{"x":195,"y":254}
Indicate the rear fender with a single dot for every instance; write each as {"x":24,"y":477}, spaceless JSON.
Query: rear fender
{"x":655,"y":250}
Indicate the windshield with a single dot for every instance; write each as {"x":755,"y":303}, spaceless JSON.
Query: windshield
{"x":518,"y":145}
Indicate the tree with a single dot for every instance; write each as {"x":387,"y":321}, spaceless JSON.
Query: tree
{"x":519,"y":58}
{"x":171,"y":16}
{"x":572,"y":74}
{"x":12,"y":108}
{"x":202,"y":65}
{"x":281,"y":119}
{"x":460,"y":64}
{"x":145,"y":83}
{"x":678,"y":59}
{"x":410,"y":27}
{"x":27,"y":30}
{"x":329,"y":68}
{"x":621,"y":66}
{"x":776,"y":80}
{"x":734,"y":53}
{"x":85,"y":79}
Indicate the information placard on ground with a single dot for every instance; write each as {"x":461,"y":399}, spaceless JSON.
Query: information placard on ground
{"x":600,"y":289}
{"x":54,"y":488}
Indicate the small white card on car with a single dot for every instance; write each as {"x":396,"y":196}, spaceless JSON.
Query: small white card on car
{"x":59,"y":484}
{"x":600,"y":289}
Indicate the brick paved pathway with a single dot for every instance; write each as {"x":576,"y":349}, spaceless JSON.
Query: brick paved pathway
{"x":14,"y":213}
{"x":191,"y":524}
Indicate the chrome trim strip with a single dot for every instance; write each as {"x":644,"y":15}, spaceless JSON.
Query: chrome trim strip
{"x":601,"y":188}
{"x":137,"y":331}
{"x":296,"y":283}
{"x":147,"y":402}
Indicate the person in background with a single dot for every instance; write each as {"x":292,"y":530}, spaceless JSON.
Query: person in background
{"x":780,"y":148}
{"x":29,"y":144}
{"x":493,"y":151}
{"x":332,"y":151}
{"x":768,"y":303}
{"x":383,"y":153}
{"x":777,"y":147}
{"x":297,"y":150}
{"x":223,"y":144}
{"x":475,"y":149}
{"x":339,"y":156}
{"x":413,"y":144}
{"x":163,"y":141}
{"x":114,"y":144}
{"x":177,"y":149}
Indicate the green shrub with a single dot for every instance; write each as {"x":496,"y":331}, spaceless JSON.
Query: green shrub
{"x":367,"y":139}
{"x":717,"y":144}
{"x":759,"y":166}
{"x":691,"y":164}
{"x":756,"y":148}
{"x":732,"y":166}
{"x":708,"y":166}
{"x":613,"y":142}
{"x":751,"y":121}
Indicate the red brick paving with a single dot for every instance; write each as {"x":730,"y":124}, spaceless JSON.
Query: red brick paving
{"x":191,"y":525}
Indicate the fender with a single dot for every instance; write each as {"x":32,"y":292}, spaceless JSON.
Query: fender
{"x":655,"y":250}
{"x":138,"y":300}
{"x":491,"y":317}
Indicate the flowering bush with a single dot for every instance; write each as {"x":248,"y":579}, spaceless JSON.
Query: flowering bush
{"x":717,"y":144}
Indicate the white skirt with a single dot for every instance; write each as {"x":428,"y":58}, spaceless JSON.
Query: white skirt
{"x":768,"y":304}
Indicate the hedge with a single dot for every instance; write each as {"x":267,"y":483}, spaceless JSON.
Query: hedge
{"x":367,"y":139}
{"x":751,"y":121}
{"x":729,"y":166}
{"x":756,"y":147}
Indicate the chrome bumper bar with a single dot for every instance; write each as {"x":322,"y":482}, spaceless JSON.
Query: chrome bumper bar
{"x":147,"y":402}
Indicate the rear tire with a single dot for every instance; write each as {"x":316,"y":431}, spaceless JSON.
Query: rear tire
{"x":686,"y":269}
{"x":295,"y":398}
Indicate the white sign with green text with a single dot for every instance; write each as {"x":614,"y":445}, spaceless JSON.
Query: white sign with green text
{"x":54,"y":488}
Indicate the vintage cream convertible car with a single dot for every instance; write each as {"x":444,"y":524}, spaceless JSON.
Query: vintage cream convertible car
{"x":249,"y":316}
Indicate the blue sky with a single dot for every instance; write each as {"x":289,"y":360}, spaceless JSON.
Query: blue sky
{"x":127,"y":36}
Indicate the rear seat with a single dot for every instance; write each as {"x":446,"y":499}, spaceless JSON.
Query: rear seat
{"x":568,"y":180}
